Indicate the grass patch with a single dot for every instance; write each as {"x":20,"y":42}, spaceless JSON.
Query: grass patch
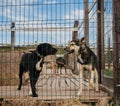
{"x":8,"y":48}
{"x":24,"y":48}
{"x":108,"y":72}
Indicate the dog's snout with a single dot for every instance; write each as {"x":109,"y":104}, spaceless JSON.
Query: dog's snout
{"x":71,"y":51}
{"x":54,"y":50}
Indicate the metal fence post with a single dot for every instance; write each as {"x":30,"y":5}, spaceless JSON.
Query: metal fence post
{"x":116,"y":50}
{"x":12,"y":36}
{"x":75,"y":33}
{"x":100,"y":38}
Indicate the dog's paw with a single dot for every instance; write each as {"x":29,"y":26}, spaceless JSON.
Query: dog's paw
{"x":18,"y":88}
{"x":79,"y":93}
{"x":97,"y":90}
{"x":30,"y":93}
{"x":34,"y":95}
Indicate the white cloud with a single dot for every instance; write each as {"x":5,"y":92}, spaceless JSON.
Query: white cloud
{"x":21,"y":16}
{"x":77,"y":14}
{"x":16,"y":10}
{"x":50,"y":2}
{"x":7,"y":12}
{"x":16,"y":2}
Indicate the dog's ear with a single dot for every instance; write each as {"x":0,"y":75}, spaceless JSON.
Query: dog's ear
{"x":82,"y":39}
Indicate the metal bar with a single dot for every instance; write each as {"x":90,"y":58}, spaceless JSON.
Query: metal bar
{"x":89,"y":10}
{"x":40,"y":29}
{"x":106,"y":33}
{"x":109,"y":53}
{"x":92,"y":5}
{"x":100,"y":38}
{"x":116,"y":49}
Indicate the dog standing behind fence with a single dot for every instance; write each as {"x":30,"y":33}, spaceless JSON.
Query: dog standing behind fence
{"x":49,"y":62}
{"x":85,"y":59}
{"x":33,"y":62}
{"x":55,"y":63}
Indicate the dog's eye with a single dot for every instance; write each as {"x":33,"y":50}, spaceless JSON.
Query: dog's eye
{"x":83,"y":46}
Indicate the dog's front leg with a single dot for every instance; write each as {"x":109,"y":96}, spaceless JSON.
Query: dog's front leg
{"x":80,"y":82}
{"x":35,"y":78}
{"x":21,"y":70}
{"x":80,"y":60}
{"x":92,"y":78}
{"x":96,"y":81}
{"x":38,"y":64}
{"x":44,"y":70}
{"x":34,"y":94}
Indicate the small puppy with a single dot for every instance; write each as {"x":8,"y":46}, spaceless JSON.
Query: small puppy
{"x":55,"y":63}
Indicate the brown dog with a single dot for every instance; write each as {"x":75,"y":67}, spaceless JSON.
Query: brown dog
{"x":85,"y":59}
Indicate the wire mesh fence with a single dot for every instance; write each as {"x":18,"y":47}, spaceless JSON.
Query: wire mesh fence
{"x":43,"y":39}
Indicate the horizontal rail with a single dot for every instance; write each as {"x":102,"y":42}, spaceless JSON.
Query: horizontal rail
{"x":39,"y":29}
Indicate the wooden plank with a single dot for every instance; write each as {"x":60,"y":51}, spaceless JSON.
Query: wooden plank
{"x":12,"y":36}
{"x":58,"y":90}
{"x":86,"y":21}
{"x":106,"y":89}
{"x":75,"y":33}
{"x":55,"y":91}
{"x":107,"y":79}
{"x":12,"y":40}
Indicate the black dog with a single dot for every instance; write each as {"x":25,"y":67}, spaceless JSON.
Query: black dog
{"x":33,"y":63}
{"x":60,"y":62}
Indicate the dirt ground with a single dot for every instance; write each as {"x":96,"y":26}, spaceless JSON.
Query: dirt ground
{"x":9,"y":66}
{"x":64,"y":102}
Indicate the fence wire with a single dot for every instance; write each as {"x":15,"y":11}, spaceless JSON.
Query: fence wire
{"x":25,"y":24}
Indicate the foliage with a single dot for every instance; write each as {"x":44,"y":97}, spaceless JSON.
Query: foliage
{"x":108,"y":72}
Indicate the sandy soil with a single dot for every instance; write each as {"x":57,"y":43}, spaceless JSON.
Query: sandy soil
{"x":9,"y":66}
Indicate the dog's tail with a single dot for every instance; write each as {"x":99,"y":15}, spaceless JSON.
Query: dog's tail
{"x":21,"y":70}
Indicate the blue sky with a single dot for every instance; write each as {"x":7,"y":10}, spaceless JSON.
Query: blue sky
{"x":42,"y":13}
